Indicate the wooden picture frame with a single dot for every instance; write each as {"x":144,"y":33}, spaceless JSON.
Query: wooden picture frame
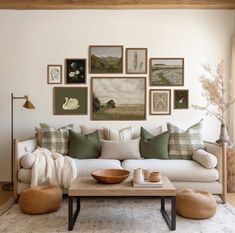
{"x":75,"y":71}
{"x":54,"y":74}
{"x":118,"y":98}
{"x":105,"y":59}
{"x":136,"y":60}
{"x":160,"y":102}
{"x":70,"y":100}
{"x":166,"y":72}
{"x":181,"y":99}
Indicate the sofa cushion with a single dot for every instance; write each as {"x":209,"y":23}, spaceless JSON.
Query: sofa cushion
{"x":176,"y":170}
{"x":86,"y":166}
{"x":127,"y":133}
{"x":87,"y":130}
{"x":206,"y":159}
{"x":182,"y":143}
{"x":84,"y":146}
{"x":24,"y":175}
{"x":154,"y":146}
{"x":128,"y":149}
{"x":56,"y":140}
{"x":27,"y":160}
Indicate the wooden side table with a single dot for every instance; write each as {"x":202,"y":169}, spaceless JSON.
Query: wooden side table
{"x":231,"y":169}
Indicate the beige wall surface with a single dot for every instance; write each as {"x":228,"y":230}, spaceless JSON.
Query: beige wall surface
{"x":29,"y":40}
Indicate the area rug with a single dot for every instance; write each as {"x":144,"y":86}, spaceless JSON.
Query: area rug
{"x":119,"y":215}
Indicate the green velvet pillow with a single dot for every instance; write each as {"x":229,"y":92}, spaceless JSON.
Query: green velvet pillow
{"x":84,"y":146}
{"x":154,"y":147}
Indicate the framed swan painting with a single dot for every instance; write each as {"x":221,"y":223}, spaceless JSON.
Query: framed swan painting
{"x":70,"y":101}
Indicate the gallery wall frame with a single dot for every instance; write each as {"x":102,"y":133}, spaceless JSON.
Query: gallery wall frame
{"x":136,"y":60}
{"x":118,"y":98}
{"x":166,"y":72}
{"x":105,"y":59}
{"x":75,"y":71}
{"x":70,"y":100}
{"x":160,"y":101}
{"x":54,"y":74}
{"x":181,"y":99}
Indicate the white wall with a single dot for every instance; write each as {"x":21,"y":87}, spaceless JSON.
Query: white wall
{"x":29,"y":40}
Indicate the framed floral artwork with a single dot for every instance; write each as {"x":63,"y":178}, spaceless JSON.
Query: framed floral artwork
{"x":54,"y":74}
{"x":160,"y":102}
{"x":136,"y":60}
{"x":75,"y":71}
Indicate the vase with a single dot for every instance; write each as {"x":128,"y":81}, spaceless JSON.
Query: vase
{"x":224,"y":137}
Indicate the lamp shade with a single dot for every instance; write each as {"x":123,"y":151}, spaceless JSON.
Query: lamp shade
{"x":28,"y":104}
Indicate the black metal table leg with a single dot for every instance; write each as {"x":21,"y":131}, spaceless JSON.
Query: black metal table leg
{"x":73,"y":216}
{"x":170,"y":221}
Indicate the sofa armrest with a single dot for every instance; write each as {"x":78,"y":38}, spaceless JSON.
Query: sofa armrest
{"x":219,"y":150}
{"x":20,"y":149}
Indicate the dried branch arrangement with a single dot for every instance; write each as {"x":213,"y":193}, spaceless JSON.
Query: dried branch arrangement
{"x":214,"y":92}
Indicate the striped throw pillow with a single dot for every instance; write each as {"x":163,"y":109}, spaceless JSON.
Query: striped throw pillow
{"x":120,"y":135}
{"x":56,"y":140}
{"x":182,"y":143}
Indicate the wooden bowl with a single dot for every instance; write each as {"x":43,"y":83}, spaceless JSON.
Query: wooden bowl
{"x":110,"y":176}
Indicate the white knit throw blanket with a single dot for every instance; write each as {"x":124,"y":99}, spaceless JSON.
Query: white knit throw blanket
{"x":52,"y":168}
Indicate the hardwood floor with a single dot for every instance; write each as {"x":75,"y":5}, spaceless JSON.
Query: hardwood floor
{"x":231,"y":199}
{"x":4,"y":195}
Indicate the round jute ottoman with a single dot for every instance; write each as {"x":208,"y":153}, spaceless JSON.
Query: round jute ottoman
{"x":41,"y":199}
{"x":195,"y":204}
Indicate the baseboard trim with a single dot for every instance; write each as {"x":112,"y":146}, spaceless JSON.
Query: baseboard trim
{"x":7,"y":206}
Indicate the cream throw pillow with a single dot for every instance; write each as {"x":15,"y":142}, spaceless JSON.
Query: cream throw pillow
{"x":205,"y":159}
{"x":88,"y":130}
{"x":121,"y":150}
{"x":120,"y":135}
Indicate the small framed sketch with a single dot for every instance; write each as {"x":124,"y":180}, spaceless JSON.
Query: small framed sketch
{"x":160,"y":102}
{"x":75,"y":71}
{"x":70,"y":101}
{"x":106,"y":59}
{"x":118,"y":98}
{"x":136,"y":60}
{"x":181,"y":99}
{"x":166,"y":71}
{"x":54,"y":74}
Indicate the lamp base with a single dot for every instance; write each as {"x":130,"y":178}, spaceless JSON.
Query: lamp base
{"x":7,"y":187}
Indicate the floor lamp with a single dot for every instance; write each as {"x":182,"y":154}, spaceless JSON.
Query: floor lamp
{"x":28,"y":105}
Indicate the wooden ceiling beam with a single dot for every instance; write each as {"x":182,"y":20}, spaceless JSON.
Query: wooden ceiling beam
{"x":116,"y":4}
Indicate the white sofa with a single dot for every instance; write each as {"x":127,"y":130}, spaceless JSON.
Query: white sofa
{"x":183,"y":173}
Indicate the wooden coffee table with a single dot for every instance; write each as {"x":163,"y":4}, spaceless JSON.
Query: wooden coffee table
{"x":88,"y":187}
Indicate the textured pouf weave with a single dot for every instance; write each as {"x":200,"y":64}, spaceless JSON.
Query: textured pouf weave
{"x":195,"y":204}
{"x":41,"y":199}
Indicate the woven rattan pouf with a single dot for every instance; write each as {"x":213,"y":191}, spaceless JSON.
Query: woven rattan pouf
{"x":40,"y":199}
{"x":195,"y":204}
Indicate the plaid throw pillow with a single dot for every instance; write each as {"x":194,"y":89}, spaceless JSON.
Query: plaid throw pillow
{"x":56,"y":140}
{"x":182,"y":143}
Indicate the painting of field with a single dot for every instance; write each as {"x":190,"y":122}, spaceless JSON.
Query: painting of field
{"x":118,"y":98}
{"x":167,"y":72}
{"x":106,"y":59}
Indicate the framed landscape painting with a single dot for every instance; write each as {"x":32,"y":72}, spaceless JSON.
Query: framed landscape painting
{"x":75,"y":71}
{"x":70,"y":101}
{"x":106,"y":59}
{"x":181,"y":99}
{"x":166,"y":71}
{"x":118,"y":98}
{"x":136,"y":60}
{"x":54,"y":74}
{"x":160,"y":102}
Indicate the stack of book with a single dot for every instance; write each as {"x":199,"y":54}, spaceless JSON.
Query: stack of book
{"x":147,"y":184}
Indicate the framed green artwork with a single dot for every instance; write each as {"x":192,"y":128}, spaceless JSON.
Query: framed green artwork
{"x":181,"y":100}
{"x":70,"y":101}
